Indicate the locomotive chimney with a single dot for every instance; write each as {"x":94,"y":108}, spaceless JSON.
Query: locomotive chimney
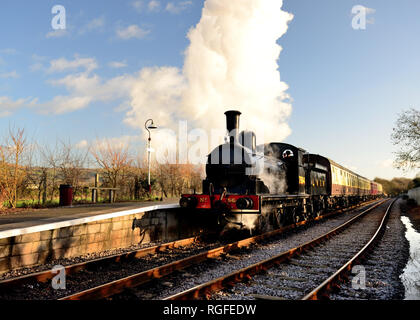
{"x":232,"y":124}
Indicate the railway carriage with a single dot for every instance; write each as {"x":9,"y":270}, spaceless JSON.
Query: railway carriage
{"x":278,"y":182}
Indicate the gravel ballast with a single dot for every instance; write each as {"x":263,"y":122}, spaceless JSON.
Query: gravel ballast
{"x":216,"y":268}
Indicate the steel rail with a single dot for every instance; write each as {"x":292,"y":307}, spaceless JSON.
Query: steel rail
{"x":321,"y":292}
{"x":44,"y":276}
{"x":246,"y":273}
{"x":117,"y":286}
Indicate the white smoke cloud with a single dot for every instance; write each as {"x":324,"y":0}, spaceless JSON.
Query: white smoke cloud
{"x":231,"y":63}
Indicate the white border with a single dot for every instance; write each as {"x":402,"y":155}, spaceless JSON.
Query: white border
{"x":75,"y":222}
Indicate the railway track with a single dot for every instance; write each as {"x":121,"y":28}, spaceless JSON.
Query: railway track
{"x":38,"y":286}
{"x":308,"y":272}
{"x":144,"y":280}
{"x":176,"y":256}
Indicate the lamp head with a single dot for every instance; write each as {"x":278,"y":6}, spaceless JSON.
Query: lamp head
{"x":151,"y":126}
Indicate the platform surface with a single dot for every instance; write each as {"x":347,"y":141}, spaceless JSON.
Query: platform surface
{"x":30,"y":219}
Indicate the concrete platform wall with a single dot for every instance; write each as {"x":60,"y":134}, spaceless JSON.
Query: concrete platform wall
{"x":36,"y":248}
{"x":414,"y":194}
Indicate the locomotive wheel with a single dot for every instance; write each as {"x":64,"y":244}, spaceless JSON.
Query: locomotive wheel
{"x":318,"y":209}
{"x":295,"y":216}
{"x":275,"y":219}
{"x":263,"y":223}
{"x":278,"y":219}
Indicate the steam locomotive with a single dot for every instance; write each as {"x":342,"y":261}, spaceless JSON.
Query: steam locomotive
{"x":276,"y":183}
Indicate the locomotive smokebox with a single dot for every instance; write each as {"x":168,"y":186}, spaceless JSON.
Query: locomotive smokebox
{"x":232,"y":124}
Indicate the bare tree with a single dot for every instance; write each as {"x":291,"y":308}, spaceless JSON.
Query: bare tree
{"x":51,"y":159}
{"x":138,"y":173}
{"x":175,"y":179}
{"x":11,"y":170}
{"x":406,"y":135}
{"x":113,"y":159}
{"x":36,"y":174}
{"x":63,"y":163}
{"x":71,"y":163}
{"x":2,"y":197}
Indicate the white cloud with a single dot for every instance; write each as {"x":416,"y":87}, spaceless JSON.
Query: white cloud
{"x":36,"y":66}
{"x":138,"y":5}
{"x":62,"y":64}
{"x":178,"y":7}
{"x":387,"y":163}
{"x":36,"y":57}
{"x":9,"y":75}
{"x":82,"y":144}
{"x":83,"y":89}
{"x":93,"y":86}
{"x":57,"y":34}
{"x":370,"y":11}
{"x":156,"y":91}
{"x":153,"y":6}
{"x":117,"y":64}
{"x":122,"y":142}
{"x":64,"y":104}
{"x":132,"y":31}
{"x":9,"y":51}
{"x":225,"y":67}
{"x":231,"y":62}
{"x":94,"y":24}
{"x":38,"y":62}
{"x":8,"y":106}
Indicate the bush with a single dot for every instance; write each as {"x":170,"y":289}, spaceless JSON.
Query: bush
{"x":2,"y":198}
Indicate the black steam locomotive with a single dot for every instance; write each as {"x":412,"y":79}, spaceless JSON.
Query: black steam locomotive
{"x":277,"y":182}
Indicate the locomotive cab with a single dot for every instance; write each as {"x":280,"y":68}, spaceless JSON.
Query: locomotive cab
{"x":317,"y":174}
{"x":292,"y":157}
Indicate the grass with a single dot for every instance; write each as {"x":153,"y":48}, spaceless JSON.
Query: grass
{"x":27,"y":204}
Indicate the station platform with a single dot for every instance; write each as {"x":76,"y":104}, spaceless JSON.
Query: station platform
{"x":37,"y":237}
{"x":14,"y":224}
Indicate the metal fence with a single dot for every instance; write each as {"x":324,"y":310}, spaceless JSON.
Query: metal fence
{"x":414,"y":194}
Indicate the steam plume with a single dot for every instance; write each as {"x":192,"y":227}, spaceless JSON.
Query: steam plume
{"x":231,"y":62}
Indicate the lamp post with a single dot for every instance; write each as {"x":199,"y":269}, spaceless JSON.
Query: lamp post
{"x":149,"y":127}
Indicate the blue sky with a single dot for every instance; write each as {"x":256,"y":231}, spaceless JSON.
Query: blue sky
{"x":347,"y":86}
